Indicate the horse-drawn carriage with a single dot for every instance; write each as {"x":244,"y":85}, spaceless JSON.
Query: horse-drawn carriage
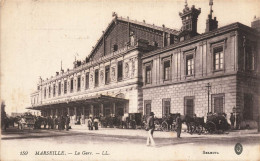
{"x":169,"y":122}
{"x":27,"y":120}
{"x":128,"y":121}
{"x":132,"y":121}
{"x":215,"y":123}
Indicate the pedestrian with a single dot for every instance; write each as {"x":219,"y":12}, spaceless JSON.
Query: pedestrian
{"x":59,"y":122}
{"x":52,"y":121}
{"x":63,"y":122}
{"x":238,"y":121}
{"x":48,"y":122}
{"x":179,"y":125}
{"x":22,"y":123}
{"x":6,"y":123}
{"x":150,"y":128}
{"x":232,"y":120}
{"x":67,"y":121}
{"x":96,"y":123}
{"x":90,"y":122}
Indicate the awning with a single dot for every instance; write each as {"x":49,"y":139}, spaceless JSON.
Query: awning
{"x":83,"y":101}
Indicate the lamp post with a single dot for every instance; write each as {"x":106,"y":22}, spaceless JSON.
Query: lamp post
{"x":208,"y":88}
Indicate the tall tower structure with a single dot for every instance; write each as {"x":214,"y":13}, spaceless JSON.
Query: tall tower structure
{"x":189,"y":17}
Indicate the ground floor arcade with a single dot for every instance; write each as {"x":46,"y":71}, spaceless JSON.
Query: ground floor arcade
{"x":80,"y":110}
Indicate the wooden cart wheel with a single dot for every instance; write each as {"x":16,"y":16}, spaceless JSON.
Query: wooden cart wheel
{"x":164,"y":126}
{"x":211,"y":127}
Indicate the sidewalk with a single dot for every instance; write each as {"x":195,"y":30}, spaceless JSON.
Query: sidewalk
{"x":14,"y":133}
{"x":160,"y":134}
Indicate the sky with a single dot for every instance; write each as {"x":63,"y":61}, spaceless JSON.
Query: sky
{"x":36,"y":35}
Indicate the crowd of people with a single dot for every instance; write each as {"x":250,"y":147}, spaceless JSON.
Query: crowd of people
{"x":56,"y":122}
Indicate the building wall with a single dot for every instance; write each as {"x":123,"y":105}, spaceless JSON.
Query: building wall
{"x":227,"y":81}
{"x":176,"y":92}
{"x":248,"y":85}
{"x":203,"y":60}
{"x":129,"y":85}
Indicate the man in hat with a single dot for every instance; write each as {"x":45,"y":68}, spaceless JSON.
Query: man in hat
{"x":67,"y":122}
{"x":232,"y":120}
{"x":179,"y":125}
{"x":150,"y":128}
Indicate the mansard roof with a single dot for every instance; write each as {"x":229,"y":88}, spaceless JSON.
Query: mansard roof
{"x":133,"y":22}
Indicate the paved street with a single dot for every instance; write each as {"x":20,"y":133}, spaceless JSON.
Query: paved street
{"x":126,"y":144}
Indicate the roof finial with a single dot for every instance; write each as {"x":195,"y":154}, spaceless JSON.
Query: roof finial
{"x":61,"y":65}
{"x":211,"y":4}
{"x":114,"y":14}
{"x":186,"y":3}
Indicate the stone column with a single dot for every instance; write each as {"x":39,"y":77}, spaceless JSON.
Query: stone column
{"x":75,"y":114}
{"x":57,"y":111}
{"x":102,"y":109}
{"x":114,"y":108}
{"x":62,"y":112}
{"x":92,"y":110}
{"x":68,"y":111}
{"x":83,"y":114}
{"x":52,"y":112}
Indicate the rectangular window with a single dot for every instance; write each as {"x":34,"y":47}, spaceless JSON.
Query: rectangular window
{"x":189,"y":65}
{"x":189,"y":106}
{"x":166,"y":106}
{"x":96,"y":78}
{"x":87,"y":81}
{"x":71,"y":85}
{"x":45,"y":92}
{"x":59,"y":88}
{"x":248,"y":107}
{"x":65,"y":86}
{"x":49,"y":91}
{"x":79,"y":83}
{"x":218,"y":103}
{"x":54,"y":90}
{"x":120,"y":71}
{"x":218,"y":58}
{"x":147,"y":107}
{"x":107,"y":74}
{"x":250,"y":58}
{"x":166,"y":69}
{"x":148,"y":75}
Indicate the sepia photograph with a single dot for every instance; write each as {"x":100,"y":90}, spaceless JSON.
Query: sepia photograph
{"x":134,"y":80}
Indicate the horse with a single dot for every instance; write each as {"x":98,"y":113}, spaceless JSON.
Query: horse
{"x":194,"y":123}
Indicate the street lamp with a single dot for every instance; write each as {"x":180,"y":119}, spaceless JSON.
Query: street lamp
{"x":208,"y":88}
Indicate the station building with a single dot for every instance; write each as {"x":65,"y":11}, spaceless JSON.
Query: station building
{"x":137,"y":67}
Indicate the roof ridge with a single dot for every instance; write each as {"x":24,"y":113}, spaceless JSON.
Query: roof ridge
{"x":174,"y":31}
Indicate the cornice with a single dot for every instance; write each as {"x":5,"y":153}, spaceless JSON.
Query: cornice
{"x":201,"y":37}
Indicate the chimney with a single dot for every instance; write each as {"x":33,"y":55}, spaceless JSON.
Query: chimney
{"x":211,"y":24}
{"x":256,"y":23}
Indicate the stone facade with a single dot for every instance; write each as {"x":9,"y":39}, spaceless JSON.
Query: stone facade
{"x":233,"y":82}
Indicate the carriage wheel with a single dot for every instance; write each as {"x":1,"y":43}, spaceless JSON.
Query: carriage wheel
{"x":211,"y":127}
{"x":164,"y":126}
